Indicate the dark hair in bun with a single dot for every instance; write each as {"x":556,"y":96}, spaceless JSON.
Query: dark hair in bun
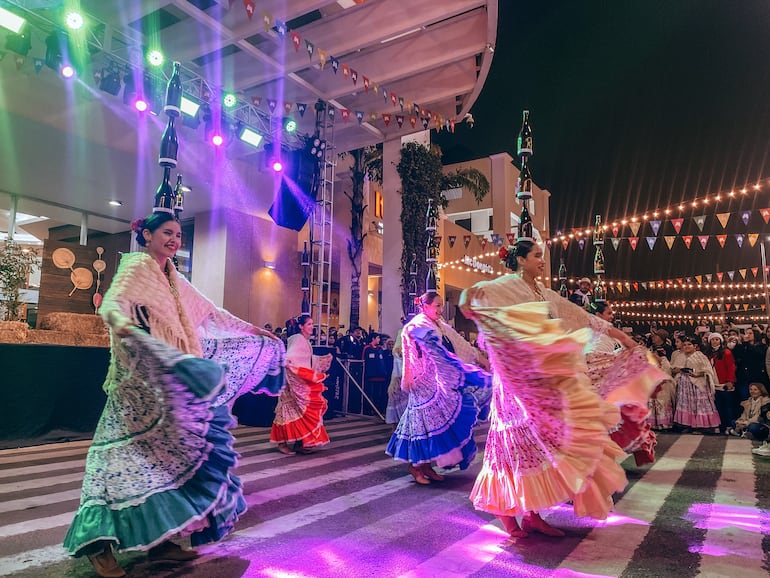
{"x":151,"y":223}
{"x":520,"y":249}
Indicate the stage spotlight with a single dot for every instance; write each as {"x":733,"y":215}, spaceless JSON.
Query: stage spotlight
{"x":272,"y":159}
{"x":67,"y":71}
{"x":53,"y":50}
{"x":217,"y":139}
{"x":74,"y":20}
{"x":141,"y":105}
{"x":229,"y":100}
{"x":20,"y":43}
{"x":155,"y":57}
{"x":289,"y":125}
{"x":317,"y":147}
{"x":276,"y":165}
{"x":250,"y":136}
{"x":11,"y":21}
{"x":110,"y":82}
{"x":190,"y":115}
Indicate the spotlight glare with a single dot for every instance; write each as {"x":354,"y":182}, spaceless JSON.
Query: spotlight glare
{"x":155,"y":57}
{"x":217,"y":140}
{"x":229,"y":100}
{"x":115,"y":203}
{"x":140,"y":105}
{"x":67,"y":71}
{"x":74,"y":20}
{"x":11,"y":21}
{"x":277,"y":166}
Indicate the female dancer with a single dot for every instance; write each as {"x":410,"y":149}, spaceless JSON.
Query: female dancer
{"x":301,"y":406}
{"x":397,"y":398}
{"x":548,"y":440}
{"x":442,"y":410}
{"x":161,"y":460}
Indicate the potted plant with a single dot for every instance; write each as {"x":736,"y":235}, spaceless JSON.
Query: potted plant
{"x":15,"y":266}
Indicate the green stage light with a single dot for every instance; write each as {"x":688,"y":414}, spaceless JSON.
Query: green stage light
{"x":229,"y":100}
{"x":155,"y":57}
{"x":289,"y":125}
{"x":189,"y":107}
{"x":11,"y":21}
{"x":74,"y":20}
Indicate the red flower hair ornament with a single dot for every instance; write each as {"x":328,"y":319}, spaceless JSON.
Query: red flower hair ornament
{"x":137,"y":225}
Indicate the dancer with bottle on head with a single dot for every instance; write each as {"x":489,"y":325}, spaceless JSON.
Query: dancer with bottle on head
{"x":446,"y":395}
{"x":161,"y":462}
{"x":548,"y":441}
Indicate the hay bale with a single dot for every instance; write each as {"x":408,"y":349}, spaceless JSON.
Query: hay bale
{"x":50,"y":337}
{"x":13,"y":331}
{"x":80,"y":323}
{"x":94,"y":340}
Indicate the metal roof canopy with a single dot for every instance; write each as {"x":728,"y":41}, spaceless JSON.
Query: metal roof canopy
{"x":434,"y":54}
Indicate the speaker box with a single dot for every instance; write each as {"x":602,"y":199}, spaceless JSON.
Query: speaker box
{"x":296,"y":197}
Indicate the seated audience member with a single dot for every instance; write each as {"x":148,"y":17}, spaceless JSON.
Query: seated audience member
{"x":749,"y":419}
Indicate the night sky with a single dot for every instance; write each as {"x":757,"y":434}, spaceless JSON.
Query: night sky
{"x":634,"y":106}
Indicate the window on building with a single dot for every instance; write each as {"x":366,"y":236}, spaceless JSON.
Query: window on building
{"x":379,"y":205}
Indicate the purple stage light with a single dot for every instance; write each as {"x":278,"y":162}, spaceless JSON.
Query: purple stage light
{"x":67,"y":71}
{"x":217,"y":140}
{"x":277,"y":166}
{"x":140,"y":105}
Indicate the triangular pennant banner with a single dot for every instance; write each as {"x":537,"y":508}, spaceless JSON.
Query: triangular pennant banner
{"x":655,"y":225}
{"x":765,"y":214}
{"x":670,"y":240}
{"x":677,"y":224}
{"x":310,"y":48}
{"x":272,"y":104}
{"x":708,"y":277}
{"x":753,"y":238}
{"x":400,"y":120}
{"x":634,"y":228}
{"x":636,"y":287}
{"x":644,"y":285}
{"x":615,"y":229}
{"x":699,"y":279}
{"x":700,"y":221}
{"x":323,"y":56}
{"x":634,"y":242}
{"x":731,"y":275}
{"x":565,"y":244}
{"x":723,"y":218}
{"x":511,"y":238}
{"x":687,"y":240}
{"x":38,"y":62}
{"x":466,"y":240}
{"x":739,"y":238}
{"x":710,"y":306}
{"x":483,"y":241}
{"x":296,"y":40}
{"x":452,"y":239}
{"x":745,"y":216}
{"x":742,"y":272}
{"x":719,"y":276}
{"x":581,"y":243}
{"x":722,"y":239}
{"x":249,"y":5}
{"x":754,"y":271}
{"x":651,"y":242}
{"x":386,"y":118}
{"x":615,"y":243}
{"x":359,"y":116}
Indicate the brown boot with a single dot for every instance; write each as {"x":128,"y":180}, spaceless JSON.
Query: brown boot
{"x":418,"y":476}
{"x":105,"y":565}
{"x":170,"y":552}
{"x":430,"y":473}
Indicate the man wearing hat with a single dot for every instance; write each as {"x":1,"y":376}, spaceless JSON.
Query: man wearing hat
{"x":582,"y":296}
{"x":660,"y":342}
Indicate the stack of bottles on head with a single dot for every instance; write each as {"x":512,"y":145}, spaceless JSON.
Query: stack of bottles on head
{"x":598,"y":259}
{"x":524,"y":184}
{"x":431,"y":246}
{"x":168,"y":199}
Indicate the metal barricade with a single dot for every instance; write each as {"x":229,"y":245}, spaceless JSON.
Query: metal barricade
{"x":354,"y":398}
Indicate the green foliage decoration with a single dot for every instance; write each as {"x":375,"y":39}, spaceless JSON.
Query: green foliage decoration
{"x":15,"y":266}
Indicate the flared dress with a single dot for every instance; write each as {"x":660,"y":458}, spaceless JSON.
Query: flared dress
{"x":548,"y":439}
{"x":301,"y":405}
{"x":162,"y":459}
{"x":446,"y":396}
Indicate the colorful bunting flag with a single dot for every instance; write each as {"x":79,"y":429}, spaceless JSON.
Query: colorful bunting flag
{"x":634,"y":242}
{"x":723,"y":218}
{"x":452,"y":239}
{"x":670,"y":240}
{"x":634,"y":228}
{"x":745,"y":216}
{"x":615,"y":243}
{"x":739,"y":238}
{"x":765,"y":214}
{"x":655,"y":226}
{"x":651,"y":242}
{"x":687,"y":240}
{"x":677,"y":225}
{"x":296,"y":40}
{"x":722,"y":239}
{"x":753,"y":238}
{"x":700,"y":221}
{"x":466,"y":240}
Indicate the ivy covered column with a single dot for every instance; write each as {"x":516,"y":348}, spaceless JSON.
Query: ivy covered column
{"x":392,"y":238}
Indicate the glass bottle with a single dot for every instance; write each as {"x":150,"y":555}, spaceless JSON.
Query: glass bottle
{"x":598,"y":260}
{"x":431,"y":282}
{"x":431,"y":250}
{"x":164,"y":195}
{"x":305,"y":303}
{"x":169,"y":145}
{"x":562,"y":271}
{"x":173,"y":106}
{"x":598,"y":231}
{"x":305,"y":255}
{"x":524,"y":183}
{"x":305,"y":280}
{"x":525,"y":223}
{"x":563,"y":291}
{"x":431,"y":218}
{"x":524,"y":142}
{"x":599,"y":290}
{"x":178,"y":196}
